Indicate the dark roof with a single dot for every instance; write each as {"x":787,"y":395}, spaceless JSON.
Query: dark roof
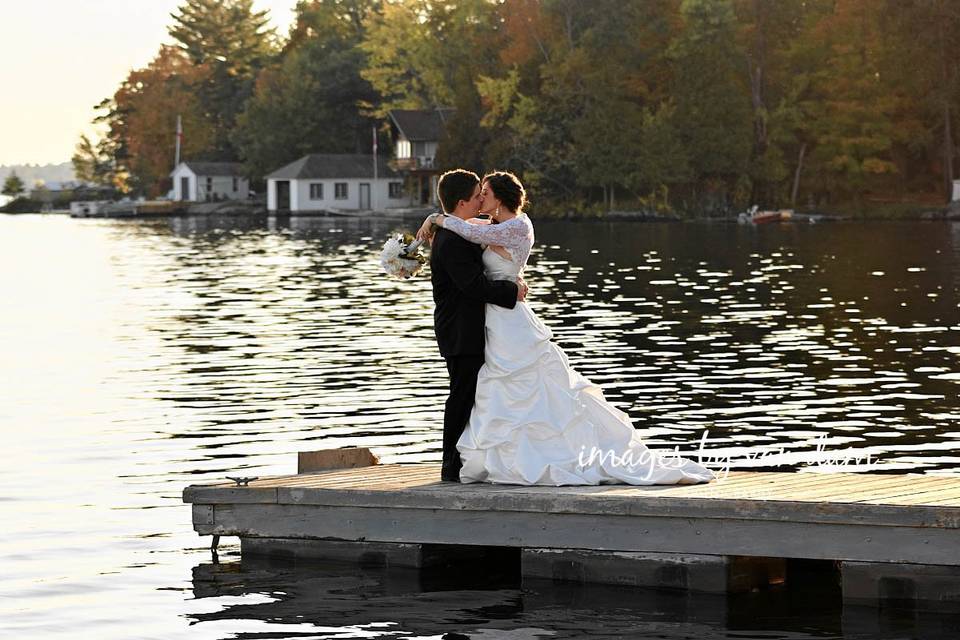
{"x":420,"y":125}
{"x":333,"y":165}
{"x":216,"y":168}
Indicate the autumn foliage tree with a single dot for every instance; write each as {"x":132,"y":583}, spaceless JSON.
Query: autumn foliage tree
{"x":205,"y":77}
{"x":141,"y":122}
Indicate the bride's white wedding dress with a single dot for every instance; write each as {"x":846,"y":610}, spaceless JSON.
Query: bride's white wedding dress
{"x":536,"y":421}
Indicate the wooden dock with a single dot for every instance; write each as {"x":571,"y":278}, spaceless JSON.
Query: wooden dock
{"x":894,"y":537}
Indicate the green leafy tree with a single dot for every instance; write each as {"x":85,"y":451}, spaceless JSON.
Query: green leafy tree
{"x":526,"y":136}
{"x":312,"y":100}
{"x":660,"y":160}
{"x":569,"y":113}
{"x":418,"y":50}
{"x":399,"y":67}
{"x":923,"y":72}
{"x":464,"y":142}
{"x":424,"y":54}
{"x":853,"y":121}
{"x":768,"y":34}
{"x":94,"y":162}
{"x":713,"y":113}
{"x":13,"y":186}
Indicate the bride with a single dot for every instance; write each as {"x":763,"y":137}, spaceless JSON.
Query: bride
{"x":536,"y":421}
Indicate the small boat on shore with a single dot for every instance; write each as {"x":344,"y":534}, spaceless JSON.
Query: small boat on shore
{"x":125,"y":208}
{"x":755,"y":216}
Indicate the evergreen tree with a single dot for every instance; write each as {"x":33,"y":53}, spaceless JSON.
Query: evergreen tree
{"x":713,"y":115}
{"x":229,"y":32}
{"x":231,"y":43}
{"x":13,"y":186}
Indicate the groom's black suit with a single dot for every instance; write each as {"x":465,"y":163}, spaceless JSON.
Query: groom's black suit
{"x":460,"y":291}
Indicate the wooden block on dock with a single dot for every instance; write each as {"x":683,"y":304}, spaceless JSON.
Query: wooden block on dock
{"x":326,"y":459}
{"x":692,"y":572}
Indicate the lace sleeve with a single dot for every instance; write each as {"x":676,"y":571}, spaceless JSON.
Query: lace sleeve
{"x":511,"y":234}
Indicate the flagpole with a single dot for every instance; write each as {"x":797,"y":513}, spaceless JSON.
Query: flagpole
{"x":176,"y":159}
{"x":373,"y":189}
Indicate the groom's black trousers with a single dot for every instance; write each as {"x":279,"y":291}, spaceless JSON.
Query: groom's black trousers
{"x":463,"y":372}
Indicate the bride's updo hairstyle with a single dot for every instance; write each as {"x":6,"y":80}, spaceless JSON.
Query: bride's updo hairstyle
{"x":508,"y":190}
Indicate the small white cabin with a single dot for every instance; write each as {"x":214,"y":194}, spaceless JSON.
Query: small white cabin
{"x":209,"y":181}
{"x":335,"y":182}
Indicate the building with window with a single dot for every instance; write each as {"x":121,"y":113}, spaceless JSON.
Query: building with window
{"x":416,"y":136}
{"x":209,"y":182}
{"x":326,"y":182}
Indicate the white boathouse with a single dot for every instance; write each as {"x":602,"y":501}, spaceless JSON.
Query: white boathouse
{"x":209,"y":182}
{"x":321,"y":182}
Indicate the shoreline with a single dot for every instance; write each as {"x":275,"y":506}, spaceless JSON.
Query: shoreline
{"x":946,"y":213}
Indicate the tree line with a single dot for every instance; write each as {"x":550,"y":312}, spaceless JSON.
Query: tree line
{"x":672,"y":105}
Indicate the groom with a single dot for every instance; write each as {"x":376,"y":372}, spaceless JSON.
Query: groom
{"x":460,"y":291}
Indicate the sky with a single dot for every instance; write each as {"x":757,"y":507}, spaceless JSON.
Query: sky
{"x":59,"y":58}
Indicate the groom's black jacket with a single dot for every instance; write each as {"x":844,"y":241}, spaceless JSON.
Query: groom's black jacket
{"x":460,"y":291}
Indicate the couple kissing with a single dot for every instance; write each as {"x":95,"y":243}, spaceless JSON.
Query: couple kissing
{"x":517,"y":412}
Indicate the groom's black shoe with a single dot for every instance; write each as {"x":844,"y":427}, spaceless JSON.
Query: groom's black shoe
{"x":449,"y":475}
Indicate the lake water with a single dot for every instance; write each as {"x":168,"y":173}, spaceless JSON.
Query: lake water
{"x":142,"y":356}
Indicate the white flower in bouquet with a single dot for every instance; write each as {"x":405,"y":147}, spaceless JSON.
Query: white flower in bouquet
{"x":401,"y":257}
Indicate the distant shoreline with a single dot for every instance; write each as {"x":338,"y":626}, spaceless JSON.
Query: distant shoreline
{"x":878,"y":214}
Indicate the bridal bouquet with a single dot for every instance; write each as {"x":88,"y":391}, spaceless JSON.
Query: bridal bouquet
{"x":401,"y":257}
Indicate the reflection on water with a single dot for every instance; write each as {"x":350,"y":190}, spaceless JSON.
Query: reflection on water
{"x":142,"y":356}
{"x":266,"y":599}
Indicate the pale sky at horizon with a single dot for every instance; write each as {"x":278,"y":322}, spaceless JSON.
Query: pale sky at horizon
{"x":58,"y":58}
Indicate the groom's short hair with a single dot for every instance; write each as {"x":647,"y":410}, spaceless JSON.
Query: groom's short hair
{"x":455,"y":186}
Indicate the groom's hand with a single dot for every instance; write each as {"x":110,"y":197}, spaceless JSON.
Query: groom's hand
{"x":521,"y":289}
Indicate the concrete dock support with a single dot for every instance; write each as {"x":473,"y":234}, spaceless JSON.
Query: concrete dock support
{"x":692,"y":572}
{"x":902,"y":585}
{"x":367,"y":554}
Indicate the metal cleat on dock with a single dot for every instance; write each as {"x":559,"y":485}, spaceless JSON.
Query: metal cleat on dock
{"x":242,"y":481}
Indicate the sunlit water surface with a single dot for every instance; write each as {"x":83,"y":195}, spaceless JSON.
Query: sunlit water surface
{"x":137,"y":357}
